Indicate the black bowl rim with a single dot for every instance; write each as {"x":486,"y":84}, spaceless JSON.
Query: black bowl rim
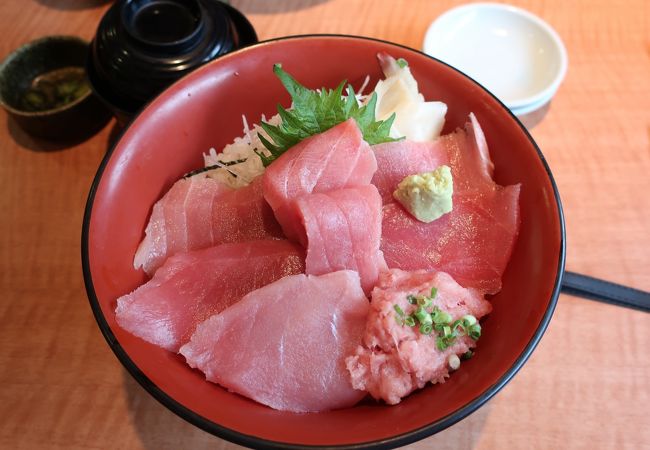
{"x":62,"y":38}
{"x":256,"y":442}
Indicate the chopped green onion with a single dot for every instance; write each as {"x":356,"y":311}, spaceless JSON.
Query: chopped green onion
{"x":468,"y":354}
{"x":443,"y":342}
{"x":422,"y":316}
{"x":474,"y":331}
{"x":442,"y":317}
{"x":469,"y":320}
{"x":424,"y":302}
{"x":402,"y":63}
{"x":400,"y":315}
{"x":459,"y":327}
{"x":439,"y":321}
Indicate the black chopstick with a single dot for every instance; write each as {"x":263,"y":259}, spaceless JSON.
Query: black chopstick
{"x":605,"y":291}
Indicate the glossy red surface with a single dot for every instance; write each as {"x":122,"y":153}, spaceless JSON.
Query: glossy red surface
{"x":204,"y":110}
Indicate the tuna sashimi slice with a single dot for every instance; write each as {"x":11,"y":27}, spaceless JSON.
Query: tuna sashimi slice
{"x":243,"y":215}
{"x":473,"y":242}
{"x":199,"y":212}
{"x":184,"y":211}
{"x":343,"y":230}
{"x":399,"y":159}
{"x":192,"y":286}
{"x":470,"y":160}
{"x":334,"y":159}
{"x":395,"y":359}
{"x":284,"y":345}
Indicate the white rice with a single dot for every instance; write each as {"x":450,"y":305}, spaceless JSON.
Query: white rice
{"x":241,"y":174}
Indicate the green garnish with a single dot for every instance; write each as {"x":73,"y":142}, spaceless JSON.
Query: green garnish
{"x":447,"y":329}
{"x":423,"y":316}
{"x":401,"y":62}
{"x":467,"y":325}
{"x":444,"y":341}
{"x":400,"y":314}
{"x":440,"y":317}
{"x":469,"y":320}
{"x":424,"y":302}
{"x":314,"y":112}
{"x":467,"y":355}
{"x":458,"y":327}
{"x":474,"y":331}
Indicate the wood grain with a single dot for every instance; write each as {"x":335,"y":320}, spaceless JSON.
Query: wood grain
{"x":586,"y":386}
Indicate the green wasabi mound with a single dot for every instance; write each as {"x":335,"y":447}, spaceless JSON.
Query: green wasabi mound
{"x":427,"y":196}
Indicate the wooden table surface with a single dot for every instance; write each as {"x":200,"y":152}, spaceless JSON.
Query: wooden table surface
{"x":586,"y":386}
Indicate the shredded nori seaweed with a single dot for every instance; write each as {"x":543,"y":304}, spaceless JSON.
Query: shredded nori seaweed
{"x":216,"y":166}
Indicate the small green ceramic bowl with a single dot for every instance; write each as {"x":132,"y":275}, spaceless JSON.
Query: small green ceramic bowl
{"x":43,"y":86}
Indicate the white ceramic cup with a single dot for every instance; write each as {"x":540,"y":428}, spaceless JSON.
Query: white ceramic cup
{"x":511,"y":52}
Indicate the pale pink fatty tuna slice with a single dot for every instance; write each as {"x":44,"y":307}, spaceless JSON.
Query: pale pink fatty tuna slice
{"x":167,"y":230}
{"x":396,"y":359}
{"x":192,"y":286}
{"x":334,"y":159}
{"x":468,"y":152}
{"x":284,"y":345}
{"x":473,"y":242}
{"x":343,"y":230}
{"x":199,"y":212}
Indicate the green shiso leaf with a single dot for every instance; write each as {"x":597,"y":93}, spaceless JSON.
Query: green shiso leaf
{"x":314,"y":111}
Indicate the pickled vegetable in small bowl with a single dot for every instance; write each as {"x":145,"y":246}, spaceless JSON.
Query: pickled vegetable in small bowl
{"x":44,"y":88}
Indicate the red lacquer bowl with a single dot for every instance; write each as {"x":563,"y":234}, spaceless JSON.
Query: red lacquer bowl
{"x":204,"y":110}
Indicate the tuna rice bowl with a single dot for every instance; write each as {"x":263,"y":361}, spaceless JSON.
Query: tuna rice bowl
{"x":357,"y":246}
{"x":309,"y":248}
